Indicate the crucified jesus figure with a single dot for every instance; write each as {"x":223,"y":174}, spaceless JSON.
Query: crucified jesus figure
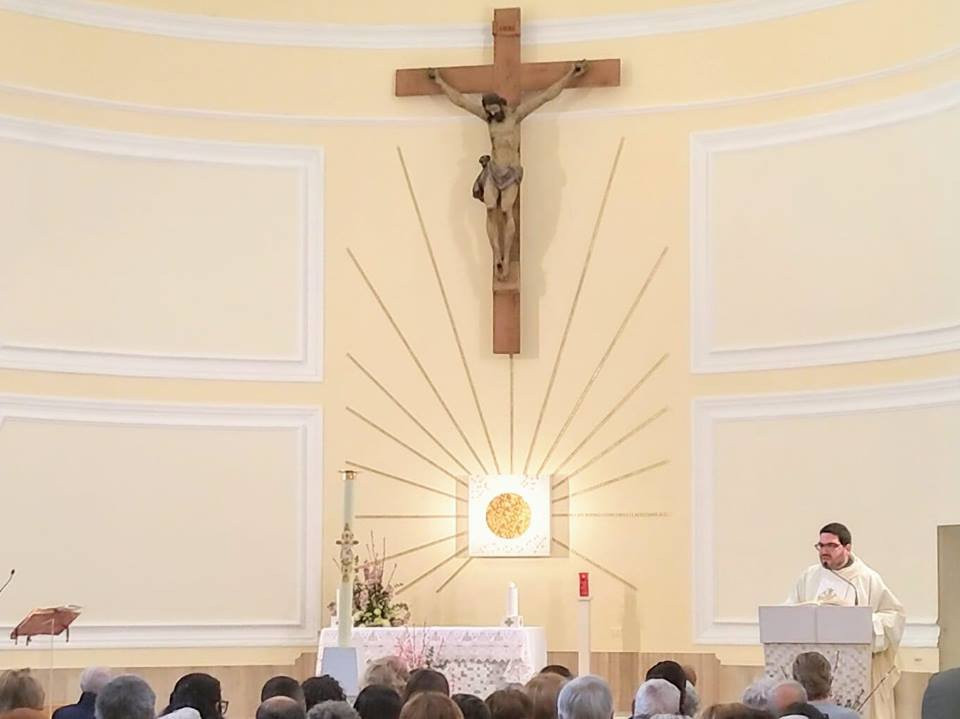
{"x":498,"y":184}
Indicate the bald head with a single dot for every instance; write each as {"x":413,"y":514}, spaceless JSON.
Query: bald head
{"x":785,"y":693}
{"x":281,"y":708}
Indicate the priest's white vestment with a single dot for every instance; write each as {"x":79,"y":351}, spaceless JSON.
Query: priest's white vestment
{"x":858,"y":584}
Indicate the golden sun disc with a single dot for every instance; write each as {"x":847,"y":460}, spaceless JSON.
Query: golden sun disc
{"x":508,"y":515}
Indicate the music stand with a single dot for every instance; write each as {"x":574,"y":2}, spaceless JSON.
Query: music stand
{"x":52,"y":622}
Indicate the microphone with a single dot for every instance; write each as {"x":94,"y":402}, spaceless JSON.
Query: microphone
{"x":856,"y":595}
{"x":9,"y":579}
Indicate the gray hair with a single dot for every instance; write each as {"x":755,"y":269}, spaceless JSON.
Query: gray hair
{"x":388,"y":671}
{"x":691,"y":701}
{"x":332,"y":710}
{"x":126,"y":697}
{"x":585,"y":697}
{"x":757,"y":695}
{"x":798,"y":694}
{"x":656,"y":696}
{"x":94,"y":679}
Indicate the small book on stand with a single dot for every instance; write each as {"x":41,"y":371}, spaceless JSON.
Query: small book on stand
{"x":51,"y":621}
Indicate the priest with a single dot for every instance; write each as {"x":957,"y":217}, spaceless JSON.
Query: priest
{"x":842,"y":578}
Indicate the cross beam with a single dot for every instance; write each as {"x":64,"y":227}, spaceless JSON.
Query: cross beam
{"x":509,"y":77}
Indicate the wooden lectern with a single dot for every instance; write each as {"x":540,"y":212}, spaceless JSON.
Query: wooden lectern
{"x":844,"y":635}
{"x":52,"y":621}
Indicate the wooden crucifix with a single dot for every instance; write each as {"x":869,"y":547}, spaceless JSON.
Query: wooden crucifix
{"x":503,"y":108}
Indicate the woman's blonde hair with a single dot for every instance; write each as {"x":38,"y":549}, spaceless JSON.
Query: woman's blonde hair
{"x":19,"y":690}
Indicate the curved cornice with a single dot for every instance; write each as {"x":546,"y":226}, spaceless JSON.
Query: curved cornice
{"x":296,"y":118}
{"x":382,"y":37}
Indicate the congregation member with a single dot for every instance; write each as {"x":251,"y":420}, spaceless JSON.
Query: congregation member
{"x":430,"y":705}
{"x":785,"y":693}
{"x":378,"y":702}
{"x":842,"y":578}
{"x":425,"y":680}
{"x":126,"y":697}
{"x":197,"y":691}
{"x":390,"y":671}
{"x":802,"y":710}
{"x":472,"y":707}
{"x":92,"y":680}
{"x":736,"y":710}
{"x":813,"y":671}
{"x":510,"y":704}
{"x":757,"y":694}
{"x":321,"y":689}
{"x":557,"y":669}
{"x":673,"y":673}
{"x":332,"y":710}
{"x":284,"y":686}
{"x":280,"y":707}
{"x":543,"y":690}
{"x":587,"y":697}
{"x":21,"y":695}
{"x":941,"y":700}
{"x":656,"y":698}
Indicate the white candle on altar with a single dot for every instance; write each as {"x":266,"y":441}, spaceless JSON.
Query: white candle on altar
{"x":513,"y":600}
{"x":347,"y":565}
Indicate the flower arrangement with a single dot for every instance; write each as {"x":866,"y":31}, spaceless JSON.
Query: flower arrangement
{"x":373,"y":598}
{"x":418,"y":652}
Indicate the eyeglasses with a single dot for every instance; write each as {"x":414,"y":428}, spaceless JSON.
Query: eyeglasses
{"x":222,"y":707}
{"x":829,"y":545}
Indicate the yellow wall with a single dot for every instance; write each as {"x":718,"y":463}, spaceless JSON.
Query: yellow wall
{"x":183,"y":189}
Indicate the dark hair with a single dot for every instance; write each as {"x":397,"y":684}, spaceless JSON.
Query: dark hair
{"x":198,"y":691}
{"x":672,"y":672}
{"x":280,"y":707}
{"x":492,"y":98}
{"x":843,"y":534}
{"x":378,"y":702}
{"x":425,"y":680}
{"x":804,"y":709}
{"x":734,"y":710}
{"x":557,"y":669}
{"x":322,"y":689}
{"x":281,"y":686}
{"x":471,"y":706}
{"x":510,"y":704}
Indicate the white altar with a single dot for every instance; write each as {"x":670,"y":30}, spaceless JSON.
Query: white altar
{"x":475,"y":660}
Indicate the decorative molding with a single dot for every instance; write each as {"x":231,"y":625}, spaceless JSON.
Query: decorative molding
{"x":387,"y":37}
{"x":307,"y":421}
{"x":306,"y":365}
{"x":704,"y":147}
{"x":707,"y":412}
{"x":451,"y":117}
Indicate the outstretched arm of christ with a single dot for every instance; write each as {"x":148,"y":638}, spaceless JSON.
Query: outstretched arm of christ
{"x":541,"y":98}
{"x":471,"y":105}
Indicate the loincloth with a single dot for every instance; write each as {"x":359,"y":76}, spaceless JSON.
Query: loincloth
{"x":502,"y":175}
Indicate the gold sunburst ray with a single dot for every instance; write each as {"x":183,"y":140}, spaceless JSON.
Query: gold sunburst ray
{"x":433,"y":543}
{"x":406,"y":446}
{"x":407,"y":412}
{"x":453,"y":576}
{"x":606,"y":418}
{"x":415,"y":358}
{"x":446,"y":305}
{"x":404,"y":480}
{"x":606,"y":483}
{"x":430,"y":571}
{"x":573,"y":305}
{"x":603,"y":360}
{"x":656,"y":415}
{"x":596,"y":564}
